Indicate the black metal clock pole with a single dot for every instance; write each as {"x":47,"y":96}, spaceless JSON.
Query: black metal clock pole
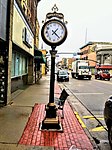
{"x":51,"y":120}
{"x":52,"y":77}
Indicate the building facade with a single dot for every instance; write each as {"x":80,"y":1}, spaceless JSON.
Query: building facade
{"x":19,"y":31}
{"x":44,"y":65}
{"x":104,"y":56}
{"x":97,"y":53}
{"x":88,"y":53}
{"x":22,"y":49}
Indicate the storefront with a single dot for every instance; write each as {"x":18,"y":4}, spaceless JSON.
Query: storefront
{"x":39,"y":60}
{"x":22,"y":50}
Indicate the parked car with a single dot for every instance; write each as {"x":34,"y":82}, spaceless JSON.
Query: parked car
{"x":62,"y":75}
{"x":102,"y":75}
{"x":108,"y":118}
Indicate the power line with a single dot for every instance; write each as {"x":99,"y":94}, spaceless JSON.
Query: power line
{"x":65,"y":53}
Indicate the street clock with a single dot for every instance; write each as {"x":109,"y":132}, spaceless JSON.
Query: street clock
{"x":54,"y":32}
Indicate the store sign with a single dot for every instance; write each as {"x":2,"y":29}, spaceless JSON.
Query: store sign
{"x":58,"y":15}
{"x":27,"y":38}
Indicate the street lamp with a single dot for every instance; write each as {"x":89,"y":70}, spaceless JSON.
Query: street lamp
{"x":54,"y":33}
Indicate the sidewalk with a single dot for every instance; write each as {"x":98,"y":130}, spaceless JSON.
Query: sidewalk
{"x":20,"y":123}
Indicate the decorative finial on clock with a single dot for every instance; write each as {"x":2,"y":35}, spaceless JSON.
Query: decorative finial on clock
{"x":55,"y":8}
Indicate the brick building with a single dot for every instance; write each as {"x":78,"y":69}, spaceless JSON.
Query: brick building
{"x":97,"y":53}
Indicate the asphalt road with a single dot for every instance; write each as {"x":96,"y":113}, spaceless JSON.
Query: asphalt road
{"x":92,"y":94}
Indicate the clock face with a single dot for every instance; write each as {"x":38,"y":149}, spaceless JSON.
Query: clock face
{"x":54,"y":32}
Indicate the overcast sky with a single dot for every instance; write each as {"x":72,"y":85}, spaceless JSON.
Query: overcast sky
{"x":88,"y":20}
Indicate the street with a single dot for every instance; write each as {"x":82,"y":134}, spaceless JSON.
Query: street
{"x":91,"y":94}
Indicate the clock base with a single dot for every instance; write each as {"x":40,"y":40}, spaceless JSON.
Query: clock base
{"x":51,"y":120}
{"x":51,"y":124}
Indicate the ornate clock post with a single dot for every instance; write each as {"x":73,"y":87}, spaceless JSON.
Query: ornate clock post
{"x":54,"y":33}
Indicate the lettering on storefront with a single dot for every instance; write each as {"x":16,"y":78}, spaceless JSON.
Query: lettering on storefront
{"x":27,"y":39}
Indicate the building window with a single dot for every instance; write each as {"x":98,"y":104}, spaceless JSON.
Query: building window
{"x":29,"y":3}
{"x":106,"y":59}
{"x":13,"y":65}
{"x":19,"y":65}
{"x":24,"y":9}
{"x":99,"y":58}
{"x":85,"y":52}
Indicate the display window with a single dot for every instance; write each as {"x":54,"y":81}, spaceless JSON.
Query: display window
{"x":19,"y":65}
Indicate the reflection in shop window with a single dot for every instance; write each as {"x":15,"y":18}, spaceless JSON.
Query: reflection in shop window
{"x":19,"y":65}
{"x":13,"y":65}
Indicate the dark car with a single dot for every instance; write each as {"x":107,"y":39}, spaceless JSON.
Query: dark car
{"x":108,"y":118}
{"x":62,"y":75}
{"x":102,"y":75}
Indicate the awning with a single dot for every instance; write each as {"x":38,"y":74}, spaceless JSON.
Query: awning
{"x":104,"y":67}
{"x":38,"y":56}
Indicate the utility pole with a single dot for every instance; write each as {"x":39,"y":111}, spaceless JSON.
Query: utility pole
{"x":86,"y":36}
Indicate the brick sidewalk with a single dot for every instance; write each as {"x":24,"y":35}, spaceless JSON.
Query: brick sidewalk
{"x":73,"y":133}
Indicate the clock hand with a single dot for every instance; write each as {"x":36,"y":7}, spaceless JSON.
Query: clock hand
{"x":54,"y":32}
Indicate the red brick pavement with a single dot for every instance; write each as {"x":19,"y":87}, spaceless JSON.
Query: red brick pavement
{"x":73,"y":133}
